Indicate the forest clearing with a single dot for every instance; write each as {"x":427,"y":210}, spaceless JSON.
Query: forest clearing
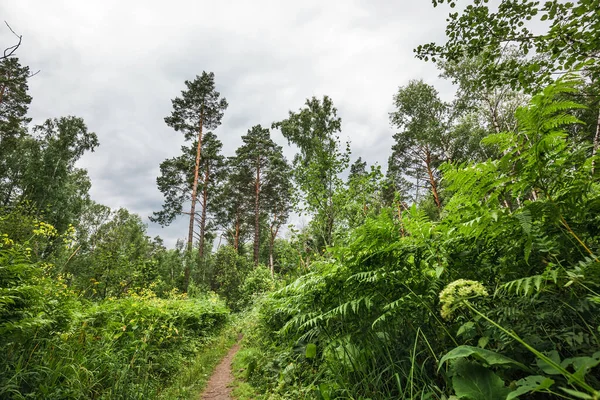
{"x":452,"y":254}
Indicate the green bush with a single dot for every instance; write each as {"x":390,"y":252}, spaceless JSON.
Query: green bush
{"x":56,"y":346}
{"x":516,"y":247}
{"x":230,"y":271}
{"x":257,"y":282}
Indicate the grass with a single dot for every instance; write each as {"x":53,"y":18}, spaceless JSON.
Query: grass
{"x":242,"y":390}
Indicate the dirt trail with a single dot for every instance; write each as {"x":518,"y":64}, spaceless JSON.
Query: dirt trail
{"x":218,"y":384}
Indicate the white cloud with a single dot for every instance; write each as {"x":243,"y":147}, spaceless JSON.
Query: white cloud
{"x":118,"y":64}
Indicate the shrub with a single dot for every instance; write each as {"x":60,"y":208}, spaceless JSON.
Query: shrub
{"x":57,"y":346}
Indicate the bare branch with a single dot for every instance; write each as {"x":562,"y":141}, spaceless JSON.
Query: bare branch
{"x":11,"y":50}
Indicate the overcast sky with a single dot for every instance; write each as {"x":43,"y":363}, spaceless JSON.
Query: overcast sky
{"x":118,"y":64}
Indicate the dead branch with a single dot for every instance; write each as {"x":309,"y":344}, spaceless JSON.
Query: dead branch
{"x":9,"y":51}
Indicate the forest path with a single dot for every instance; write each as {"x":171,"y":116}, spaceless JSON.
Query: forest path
{"x":218,"y":387}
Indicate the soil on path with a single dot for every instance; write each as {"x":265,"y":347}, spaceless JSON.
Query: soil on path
{"x":218,"y":384}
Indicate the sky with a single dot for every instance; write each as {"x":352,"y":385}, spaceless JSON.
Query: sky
{"x":118,"y":64}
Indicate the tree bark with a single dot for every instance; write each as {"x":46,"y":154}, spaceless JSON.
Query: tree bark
{"x":203,"y":218}
{"x":494,"y":114}
{"x":432,"y":181}
{"x":236,"y":237}
{"x":186,"y":277}
{"x":330,"y":215}
{"x":274,"y":230}
{"x":596,"y":142}
{"x":256,"y":212}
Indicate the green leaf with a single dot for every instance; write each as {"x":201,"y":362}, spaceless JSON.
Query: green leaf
{"x":533,"y":383}
{"x":483,"y":341}
{"x":466,"y":327}
{"x":576,"y":393}
{"x":482,"y":355}
{"x":547,"y":368}
{"x":582,"y":365}
{"x":325,"y":391}
{"x":311,"y":350}
{"x":473,"y":382}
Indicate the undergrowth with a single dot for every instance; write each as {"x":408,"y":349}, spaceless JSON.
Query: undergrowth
{"x":496,"y":299}
{"x":58,"y":346}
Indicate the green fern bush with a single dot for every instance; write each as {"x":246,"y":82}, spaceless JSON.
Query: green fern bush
{"x":366,"y":324}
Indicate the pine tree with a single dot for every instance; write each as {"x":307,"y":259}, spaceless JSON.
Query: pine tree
{"x":423,"y":140}
{"x":199,"y":107}
{"x":14,"y":103}
{"x":213,"y":170}
{"x":177,"y":180}
{"x":264,"y":158}
{"x":234,"y":211}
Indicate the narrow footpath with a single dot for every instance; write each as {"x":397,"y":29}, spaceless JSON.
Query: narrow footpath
{"x":218,"y":387}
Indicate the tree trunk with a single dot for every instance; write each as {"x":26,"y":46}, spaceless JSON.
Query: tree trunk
{"x":203,"y":218}
{"x":400,"y":220}
{"x":494,"y":113}
{"x":272,"y":237}
{"x":330,"y":216}
{"x":432,"y":180}
{"x":236,"y":237}
{"x":596,"y":142}
{"x":329,"y":229}
{"x":256,"y":212}
{"x":186,"y":277}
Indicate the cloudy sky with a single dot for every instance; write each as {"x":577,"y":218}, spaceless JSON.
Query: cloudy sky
{"x":119,"y":63}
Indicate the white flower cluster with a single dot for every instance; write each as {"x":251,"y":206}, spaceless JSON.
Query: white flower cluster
{"x":457,"y":291}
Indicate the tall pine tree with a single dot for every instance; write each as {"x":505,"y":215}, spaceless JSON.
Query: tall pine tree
{"x":176,"y":182}
{"x":199,"y":107}
{"x":264,"y":158}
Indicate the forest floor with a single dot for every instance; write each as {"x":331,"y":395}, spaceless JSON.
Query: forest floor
{"x":219,"y":384}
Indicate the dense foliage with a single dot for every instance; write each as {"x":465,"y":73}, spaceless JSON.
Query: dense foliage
{"x":90,"y":306}
{"x":56,"y":345}
{"x":515,"y":249}
{"x":469,"y":268}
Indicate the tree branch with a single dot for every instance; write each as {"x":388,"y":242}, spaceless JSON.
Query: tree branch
{"x":9,"y":51}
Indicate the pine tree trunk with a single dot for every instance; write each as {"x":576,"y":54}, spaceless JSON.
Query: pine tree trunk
{"x":203,"y":218}
{"x":186,"y":277}
{"x":236,"y":237}
{"x":256,"y":213}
